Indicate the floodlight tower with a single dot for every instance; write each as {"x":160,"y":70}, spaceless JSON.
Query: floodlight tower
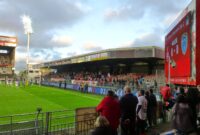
{"x":28,"y":30}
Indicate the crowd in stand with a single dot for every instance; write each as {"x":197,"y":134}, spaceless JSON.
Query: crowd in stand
{"x":4,"y":60}
{"x":117,"y":80}
{"x":135,"y":114}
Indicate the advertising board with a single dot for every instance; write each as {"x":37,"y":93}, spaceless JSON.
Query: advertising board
{"x":178,"y":48}
{"x":181,"y":49}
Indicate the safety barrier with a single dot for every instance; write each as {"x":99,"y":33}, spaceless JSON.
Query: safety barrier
{"x":65,"y":122}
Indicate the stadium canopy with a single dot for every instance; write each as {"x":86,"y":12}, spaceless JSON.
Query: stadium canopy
{"x":150,"y":55}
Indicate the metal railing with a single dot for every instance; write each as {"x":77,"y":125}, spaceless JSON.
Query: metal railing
{"x":47,"y":123}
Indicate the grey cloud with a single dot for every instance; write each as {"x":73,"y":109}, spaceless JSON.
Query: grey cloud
{"x":46,"y":15}
{"x":20,"y":65}
{"x":132,"y":9}
{"x":36,"y":55}
{"x":151,"y":39}
{"x":122,"y":13}
{"x":21,"y":49}
{"x":154,"y":38}
{"x":45,"y":54}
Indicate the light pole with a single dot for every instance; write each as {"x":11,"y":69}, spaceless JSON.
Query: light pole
{"x":28,"y":30}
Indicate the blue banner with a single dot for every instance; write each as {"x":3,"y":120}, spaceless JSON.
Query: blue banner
{"x":89,"y":89}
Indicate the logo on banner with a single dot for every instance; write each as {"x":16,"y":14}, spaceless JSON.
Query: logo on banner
{"x":184,"y":43}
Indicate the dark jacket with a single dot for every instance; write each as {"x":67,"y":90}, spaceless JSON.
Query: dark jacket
{"x":182,"y":117}
{"x":128,"y":104}
{"x":102,"y":131}
{"x":153,"y":100}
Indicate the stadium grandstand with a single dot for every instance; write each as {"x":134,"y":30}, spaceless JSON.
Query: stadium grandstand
{"x":7,"y":58}
{"x":112,"y":67}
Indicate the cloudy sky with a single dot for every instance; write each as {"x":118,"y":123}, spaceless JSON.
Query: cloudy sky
{"x":64,"y":28}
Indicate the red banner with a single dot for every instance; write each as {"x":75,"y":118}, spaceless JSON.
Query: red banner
{"x":178,"y":49}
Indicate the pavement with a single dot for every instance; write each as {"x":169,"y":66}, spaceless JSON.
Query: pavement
{"x":162,"y":128}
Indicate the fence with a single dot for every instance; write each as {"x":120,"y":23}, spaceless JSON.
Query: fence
{"x":66,"y":122}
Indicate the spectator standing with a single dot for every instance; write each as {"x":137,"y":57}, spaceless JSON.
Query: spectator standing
{"x":149,"y":117}
{"x":167,"y":97}
{"x":155,"y":84}
{"x":86,"y":87}
{"x":181,"y":93}
{"x":102,"y":127}
{"x":82,"y":87}
{"x":198,"y":106}
{"x":176,"y":92}
{"x":110,"y":108}
{"x":183,"y":117}
{"x":166,"y":93}
{"x":153,"y":108}
{"x":192,"y":97}
{"x":141,"y":113}
{"x":128,"y":105}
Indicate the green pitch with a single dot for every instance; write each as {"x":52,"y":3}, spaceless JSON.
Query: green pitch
{"x":18,"y":100}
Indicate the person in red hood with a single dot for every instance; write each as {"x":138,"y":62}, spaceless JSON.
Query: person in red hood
{"x":110,"y":108}
{"x":166,"y":92}
{"x":167,"y":97}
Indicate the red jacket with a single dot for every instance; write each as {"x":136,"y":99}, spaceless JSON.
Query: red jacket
{"x":110,"y":108}
{"x":166,"y":93}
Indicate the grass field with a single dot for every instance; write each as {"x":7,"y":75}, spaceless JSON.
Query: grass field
{"x":18,"y":100}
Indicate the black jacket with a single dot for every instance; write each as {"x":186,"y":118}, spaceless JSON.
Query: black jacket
{"x":128,"y":104}
{"x":102,"y":131}
{"x":153,"y":100}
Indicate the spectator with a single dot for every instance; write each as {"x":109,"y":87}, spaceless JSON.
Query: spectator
{"x":102,"y":127}
{"x":181,"y":93}
{"x":82,"y":87}
{"x":192,"y":97}
{"x":153,"y":108}
{"x":183,"y":117}
{"x":86,"y":87}
{"x":155,"y":84}
{"x":166,"y":93}
{"x":198,"y":106}
{"x":110,"y":108}
{"x":141,"y":113}
{"x":176,"y":92}
{"x":128,"y":105}
{"x":147,"y":96}
{"x":167,"y":97}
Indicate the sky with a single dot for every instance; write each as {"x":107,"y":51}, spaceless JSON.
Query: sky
{"x":66,"y":28}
